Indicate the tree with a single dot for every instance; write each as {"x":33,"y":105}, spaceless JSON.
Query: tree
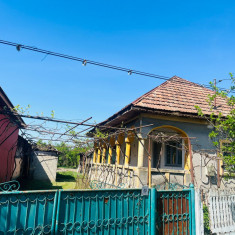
{"x":223,"y":125}
{"x":69,"y":155}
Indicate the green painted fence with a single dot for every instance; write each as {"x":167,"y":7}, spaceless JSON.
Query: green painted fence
{"x":28,"y":212}
{"x":103,"y":212}
{"x":107,"y":211}
{"x":175,"y":212}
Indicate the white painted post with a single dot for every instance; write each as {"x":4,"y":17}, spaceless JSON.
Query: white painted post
{"x":198,"y":213}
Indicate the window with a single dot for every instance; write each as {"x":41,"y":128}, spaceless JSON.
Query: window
{"x":173,"y":154}
{"x":157,"y":148}
{"x":168,"y":155}
{"x":168,"y":148}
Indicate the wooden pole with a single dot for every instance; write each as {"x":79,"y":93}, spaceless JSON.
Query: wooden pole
{"x":149,"y":180}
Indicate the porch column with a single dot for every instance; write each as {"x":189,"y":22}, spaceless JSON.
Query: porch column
{"x":94,"y":155}
{"x":110,"y":154}
{"x":111,"y":144}
{"x":140,"y":151}
{"x":118,"y":152}
{"x":128,"y":151}
{"x":99,"y":154}
{"x":103,"y":154}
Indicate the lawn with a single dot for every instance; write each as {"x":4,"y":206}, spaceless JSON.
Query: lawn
{"x":64,"y":180}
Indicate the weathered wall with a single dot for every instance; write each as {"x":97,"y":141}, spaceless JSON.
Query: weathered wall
{"x":17,"y":171}
{"x":197,"y":130}
{"x":113,"y":176}
{"x":8,"y":144}
{"x":134,"y":153}
{"x":43,"y":165}
{"x":22,"y":158}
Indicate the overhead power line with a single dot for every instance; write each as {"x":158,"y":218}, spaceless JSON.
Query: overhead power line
{"x":84,"y":62}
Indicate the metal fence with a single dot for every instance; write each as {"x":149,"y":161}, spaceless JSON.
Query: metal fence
{"x":109,"y":211}
{"x":104,"y":212}
{"x":28,"y":212}
{"x":176,"y":212}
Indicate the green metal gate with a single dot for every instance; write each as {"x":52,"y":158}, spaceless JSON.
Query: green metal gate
{"x":175,"y":211}
{"x":107,"y":211}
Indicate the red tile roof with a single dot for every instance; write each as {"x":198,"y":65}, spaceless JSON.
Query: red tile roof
{"x":180,"y":95}
{"x":176,"y":96}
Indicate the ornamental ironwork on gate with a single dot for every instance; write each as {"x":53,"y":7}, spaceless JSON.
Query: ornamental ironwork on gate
{"x":107,"y":211}
{"x":175,"y":210}
{"x":103,"y":212}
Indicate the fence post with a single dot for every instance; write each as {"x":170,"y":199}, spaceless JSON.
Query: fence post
{"x":153,"y":199}
{"x":57,"y":212}
{"x":192,"y":208}
{"x":199,"y":224}
{"x":54,"y":213}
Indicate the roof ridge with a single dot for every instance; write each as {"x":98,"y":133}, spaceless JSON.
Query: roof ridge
{"x":172,"y":79}
{"x":191,"y":83}
{"x":144,"y":95}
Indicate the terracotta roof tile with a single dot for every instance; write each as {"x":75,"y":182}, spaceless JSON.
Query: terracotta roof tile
{"x":180,"y":95}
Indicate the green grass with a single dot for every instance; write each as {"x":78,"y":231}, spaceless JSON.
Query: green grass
{"x":64,"y":180}
{"x":69,"y":176}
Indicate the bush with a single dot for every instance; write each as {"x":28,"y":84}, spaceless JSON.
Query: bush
{"x":206,"y":219}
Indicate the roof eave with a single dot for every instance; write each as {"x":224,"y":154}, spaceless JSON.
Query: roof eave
{"x":10,"y":106}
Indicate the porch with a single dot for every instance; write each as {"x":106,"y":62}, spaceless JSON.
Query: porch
{"x":134,"y":160}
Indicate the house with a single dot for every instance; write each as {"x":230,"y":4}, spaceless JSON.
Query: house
{"x":9,"y":129}
{"x":164,"y":140}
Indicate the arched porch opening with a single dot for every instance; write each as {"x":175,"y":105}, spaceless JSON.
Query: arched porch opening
{"x":170,"y":148}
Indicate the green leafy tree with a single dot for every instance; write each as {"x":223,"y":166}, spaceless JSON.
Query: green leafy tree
{"x":69,"y":156}
{"x":224,"y":125}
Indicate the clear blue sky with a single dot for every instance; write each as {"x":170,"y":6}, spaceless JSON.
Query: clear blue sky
{"x":192,"y":39}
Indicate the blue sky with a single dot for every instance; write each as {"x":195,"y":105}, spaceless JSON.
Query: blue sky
{"x":191,"y":39}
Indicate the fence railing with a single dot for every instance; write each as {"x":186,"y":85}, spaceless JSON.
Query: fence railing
{"x":222,"y":211}
{"x":106,"y":211}
{"x":28,"y":213}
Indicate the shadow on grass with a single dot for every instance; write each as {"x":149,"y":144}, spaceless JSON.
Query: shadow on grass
{"x":37,"y":185}
{"x":65,"y":180}
{"x":66,"y":177}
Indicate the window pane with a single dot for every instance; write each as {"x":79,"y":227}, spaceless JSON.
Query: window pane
{"x":173,"y":154}
{"x":180,"y":157}
{"x":156,"y":154}
{"x":168,"y":155}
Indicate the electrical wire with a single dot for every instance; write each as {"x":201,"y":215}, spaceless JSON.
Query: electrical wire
{"x":86,"y":61}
